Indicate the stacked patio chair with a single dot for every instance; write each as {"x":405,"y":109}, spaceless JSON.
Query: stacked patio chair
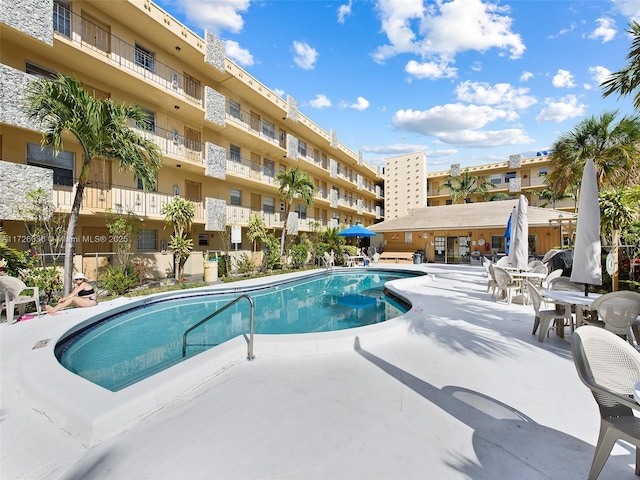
{"x":12,"y":293}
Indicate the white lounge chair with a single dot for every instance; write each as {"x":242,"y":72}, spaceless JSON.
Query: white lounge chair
{"x":11,"y":289}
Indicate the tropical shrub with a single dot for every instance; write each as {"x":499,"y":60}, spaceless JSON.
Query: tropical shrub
{"x":118,"y":280}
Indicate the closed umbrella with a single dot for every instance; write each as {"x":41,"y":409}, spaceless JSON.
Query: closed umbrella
{"x":507,"y":232}
{"x":519,"y":251}
{"x":587,"y":267}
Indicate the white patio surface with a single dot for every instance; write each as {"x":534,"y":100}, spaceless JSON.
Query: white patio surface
{"x":465,"y":391}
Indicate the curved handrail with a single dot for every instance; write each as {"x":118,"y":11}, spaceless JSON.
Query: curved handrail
{"x":250,"y":355}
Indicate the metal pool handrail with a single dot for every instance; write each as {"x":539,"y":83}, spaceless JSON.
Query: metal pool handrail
{"x":250,"y":355}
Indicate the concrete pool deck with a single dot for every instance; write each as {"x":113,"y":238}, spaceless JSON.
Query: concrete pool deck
{"x":463,"y":391}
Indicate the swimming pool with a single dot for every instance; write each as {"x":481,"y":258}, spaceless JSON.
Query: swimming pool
{"x":121,"y":349}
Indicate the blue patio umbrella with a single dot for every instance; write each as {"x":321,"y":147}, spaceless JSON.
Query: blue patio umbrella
{"x":507,"y":232}
{"x":357,"y":231}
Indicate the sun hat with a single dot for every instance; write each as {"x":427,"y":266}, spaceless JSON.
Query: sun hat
{"x":79,"y":276}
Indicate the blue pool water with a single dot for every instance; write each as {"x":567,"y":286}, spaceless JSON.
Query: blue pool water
{"x":129,"y":346}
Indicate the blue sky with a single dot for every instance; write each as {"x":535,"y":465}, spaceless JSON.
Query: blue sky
{"x":465,"y":81}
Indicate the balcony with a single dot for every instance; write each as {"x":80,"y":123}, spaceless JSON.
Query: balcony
{"x":244,"y":167}
{"x":93,"y":37}
{"x":172,"y":143}
{"x":252,"y":123}
{"x":237,"y":215}
{"x":99,"y":197}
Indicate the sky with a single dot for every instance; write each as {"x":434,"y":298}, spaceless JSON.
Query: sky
{"x":467,"y":82}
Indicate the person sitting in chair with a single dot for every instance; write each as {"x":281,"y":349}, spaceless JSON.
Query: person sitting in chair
{"x":83,"y":295}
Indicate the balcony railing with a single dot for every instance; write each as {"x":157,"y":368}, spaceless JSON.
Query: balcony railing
{"x":251,"y":122}
{"x":240,"y":216}
{"x":246,"y":168}
{"x":99,"y":196}
{"x":172,"y":143}
{"x":89,"y":35}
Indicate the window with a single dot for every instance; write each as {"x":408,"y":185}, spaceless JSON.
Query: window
{"x":192,"y":190}
{"x":268,"y":204}
{"x":302,"y":148}
{"x":150,"y":124}
{"x":495,"y":179}
{"x":192,"y":87}
{"x":269,"y":168}
{"x":141,"y":187}
{"x":145,"y":58}
{"x":38,"y":71}
{"x":236,"y":197}
{"x":95,"y":33}
{"x":147,"y":240}
{"x":62,"y":164}
{"x":301,"y":210}
{"x":62,"y":17}
{"x":508,"y":176}
{"x":542,"y":172}
{"x":268,"y":129}
{"x":203,"y":240}
{"x":234,"y":109}
{"x":497,"y":243}
{"x":408,"y":237}
{"x":234,"y":153}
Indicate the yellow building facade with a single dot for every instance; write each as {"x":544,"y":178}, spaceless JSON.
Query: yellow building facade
{"x":223,"y":134}
{"x":518,"y":175}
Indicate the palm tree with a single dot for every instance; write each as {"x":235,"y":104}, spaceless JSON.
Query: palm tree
{"x":549,"y":196}
{"x":614,"y":147}
{"x":626,"y":81}
{"x":294,"y":183}
{"x":464,"y":186}
{"x":179,"y":212}
{"x":615,"y":215}
{"x":101,"y":128}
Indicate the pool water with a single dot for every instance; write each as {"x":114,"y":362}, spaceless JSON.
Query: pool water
{"x":129,"y":346}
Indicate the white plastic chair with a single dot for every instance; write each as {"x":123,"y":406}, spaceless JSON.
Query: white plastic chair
{"x":375,"y":259}
{"x":618,"y":311}
{"x":491,"y":278}
{"x":503,"y":262}
{"x":329,"y":260}
{"x":555,"y":274}
{"x":504,"y":283}
{"x":11,"y":289}
{"x":543,"y":318}
{"x":535,"y":263}
{"x":610,"y":367}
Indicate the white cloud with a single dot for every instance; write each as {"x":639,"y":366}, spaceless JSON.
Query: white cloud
{"x":445,"y":118}
{"x":460,"y":124}
{"x":563,"y":79}
{"x":445,"y":29}
{"x":216,"y":15}
{"x":279,"y":92}
{"x":502,"y":95}
{"x":560,"y":110}
{"x":599,"y":74}
{"x":430,"y":70}
{"x":526,"y":76}
{"x":305,"y":56}
{"x":241,"y":55}
{"x":321,"y":101}
{"x":629,"y":8}
{"x":400,"y":148}
{"x":486,"y":138}
{"x":344,"y":11}
{"x":360,"y":104}
{"x":606,"y":30}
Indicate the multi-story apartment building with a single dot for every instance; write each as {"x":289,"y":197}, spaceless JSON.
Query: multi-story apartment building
{"x":517,"y":175}
{"x":223,"y":134}
{"x":406,"y":177}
